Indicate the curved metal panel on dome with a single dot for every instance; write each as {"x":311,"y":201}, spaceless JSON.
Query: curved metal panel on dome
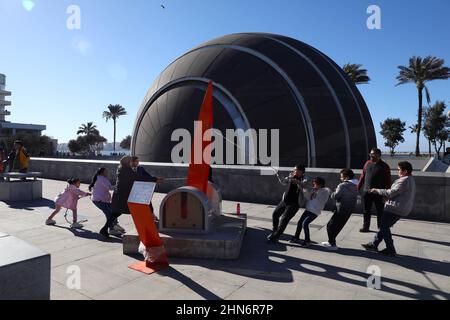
{"x":261,"y":81}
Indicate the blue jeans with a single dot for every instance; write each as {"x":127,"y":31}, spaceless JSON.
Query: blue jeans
{"x":303,"y":223}
{"x":388,"y":220}
{"x":106,"y":209}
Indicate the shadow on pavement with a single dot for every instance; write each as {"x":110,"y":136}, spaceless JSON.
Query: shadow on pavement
{"x":442,"y":243}
{"x":188,"y":282}
{"x":257,"y":262}
{"x":87,"y":234}
{"x":30,"y":205}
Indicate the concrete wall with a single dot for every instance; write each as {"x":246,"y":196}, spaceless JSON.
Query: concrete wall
{"x":246,"y":184}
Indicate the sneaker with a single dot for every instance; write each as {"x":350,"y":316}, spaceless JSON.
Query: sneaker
{"x":389,"y":252}
{"x":117,"y":227}
{"x":329,"y":246}
{"x":50,"y":222}
{"x":305,"y":244}
{"x":104,"y":233}
{"x":370,"y":247}
{"x":76,"y":225}
{"x":364,"y":230}
{"x":272,"y":240}
{"x":294,"y":240}
{"x":114,"y":232}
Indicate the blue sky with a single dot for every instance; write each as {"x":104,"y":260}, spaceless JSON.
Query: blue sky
{"x":62,"y":78}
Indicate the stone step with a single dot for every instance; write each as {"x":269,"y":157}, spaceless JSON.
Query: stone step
{"x":24,"y":270}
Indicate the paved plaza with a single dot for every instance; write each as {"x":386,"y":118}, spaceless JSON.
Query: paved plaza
{"x":268,"y":272}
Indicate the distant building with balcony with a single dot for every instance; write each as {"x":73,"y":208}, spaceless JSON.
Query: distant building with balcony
{"x":7,"y":128}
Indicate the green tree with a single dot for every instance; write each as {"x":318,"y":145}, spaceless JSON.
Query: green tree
{"x":356,"y":74}
{"x":414,"y":130}
{"x":114,"y":112}
{"x":90,"y":142}
{"x":420,"y":71}
{"x":392,"y":131}
{"x":436,"y":125}
{"x":87,"y":145}
{"x":126,"y":143}
{"x":88,"y":129}
{"x":75,"y":147}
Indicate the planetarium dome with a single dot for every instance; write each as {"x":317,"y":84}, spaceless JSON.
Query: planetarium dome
{"x":260,"y":81}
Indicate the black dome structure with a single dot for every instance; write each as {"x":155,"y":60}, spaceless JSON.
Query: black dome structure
{"x":261,"y":81}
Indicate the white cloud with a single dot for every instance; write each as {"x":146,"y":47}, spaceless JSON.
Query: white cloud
{"x":117,"y":72}
{"x":82,"y":45}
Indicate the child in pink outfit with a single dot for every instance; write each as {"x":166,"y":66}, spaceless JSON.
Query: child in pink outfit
{"x":69,"y":199}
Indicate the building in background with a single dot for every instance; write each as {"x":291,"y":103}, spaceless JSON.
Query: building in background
{"x":8,"y":129}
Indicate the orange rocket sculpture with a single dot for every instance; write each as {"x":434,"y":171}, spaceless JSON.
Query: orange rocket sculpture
{"x":198,"y":175}
{"x":201,"y":163}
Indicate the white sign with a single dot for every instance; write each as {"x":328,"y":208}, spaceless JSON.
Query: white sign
{"x":142,"y":192}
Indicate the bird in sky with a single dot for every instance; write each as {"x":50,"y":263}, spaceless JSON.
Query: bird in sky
{"x":162,"y":6}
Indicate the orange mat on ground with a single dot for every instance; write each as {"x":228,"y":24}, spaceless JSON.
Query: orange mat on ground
{"x":149,"y":236}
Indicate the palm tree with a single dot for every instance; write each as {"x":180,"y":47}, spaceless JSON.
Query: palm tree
{"x":356,"y":74}
{"x":420,"y":71}
{"x":88,"y":129}
{"x":115,"y":111}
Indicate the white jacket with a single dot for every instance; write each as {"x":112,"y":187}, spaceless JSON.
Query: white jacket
{"x":317,"y":204}
{"x":400,"y":196}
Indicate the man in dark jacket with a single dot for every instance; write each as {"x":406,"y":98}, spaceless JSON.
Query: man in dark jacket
{"x":290,"y":204}
{"x":140,"y":173}
{"x":376,"y":175}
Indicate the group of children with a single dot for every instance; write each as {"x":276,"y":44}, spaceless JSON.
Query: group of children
{"x":99,"y":190}
{"x":314,"y":199}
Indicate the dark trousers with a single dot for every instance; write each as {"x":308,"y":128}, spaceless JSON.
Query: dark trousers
{"x":107,"y":211}
{"x":336,"y":224}
{"x":303,"y":223}
{"x":111,"y":221}
{"x":369,"y":200}
{"x":281,"y":217}
{"x":388,"y":220}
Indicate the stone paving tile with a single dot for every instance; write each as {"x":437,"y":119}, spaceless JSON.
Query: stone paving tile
{"x":254,"y":293}
{"x":84,"y":252}
{"x":110,"y":261}
{"x":94,"y":280}
{"x":61,"y":292}
{"x":146,"y":288}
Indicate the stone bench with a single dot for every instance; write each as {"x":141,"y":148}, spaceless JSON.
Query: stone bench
{"x":17,"y":175}
{"x":20,"y":190}
{"x":24,"y":270}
